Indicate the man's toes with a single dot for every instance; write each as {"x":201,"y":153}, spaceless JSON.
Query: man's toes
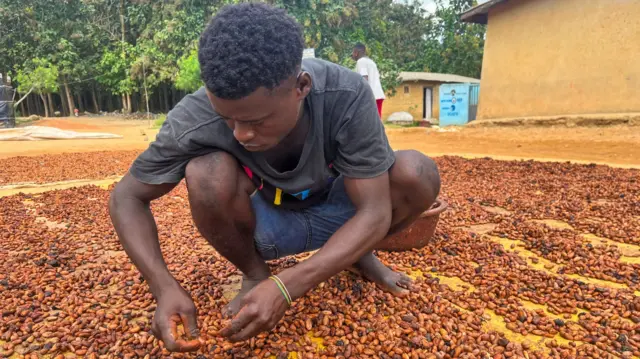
{"x":400,"y":292}
{"x":227,"y":312}
{"x":405,"y":281}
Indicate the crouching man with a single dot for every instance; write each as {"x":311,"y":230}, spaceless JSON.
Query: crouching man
{"x":280,"y":156}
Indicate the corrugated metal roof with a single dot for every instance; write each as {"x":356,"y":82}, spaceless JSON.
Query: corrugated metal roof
{"x":435,"y":77}
{"x":480,"y":14}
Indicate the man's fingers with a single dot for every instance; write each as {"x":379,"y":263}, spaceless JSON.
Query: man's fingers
{"x":167,"y":332}
{"x":240,"y":321}
{"x":169,"y":335}
{"x":173,"y":323}
{"x":190,"y":324}
{"x":252,"y":329}
{"x":188,"y":346}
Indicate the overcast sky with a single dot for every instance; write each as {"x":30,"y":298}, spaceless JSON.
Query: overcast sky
{"x":431,"y":6}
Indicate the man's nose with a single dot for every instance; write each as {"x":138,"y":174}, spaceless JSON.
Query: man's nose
{"x":243,"y":133}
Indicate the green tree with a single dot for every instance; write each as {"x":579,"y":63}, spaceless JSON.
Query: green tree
{"x":139,"y":49}
{"x":455,"y":47}
{"x":115,"y":68}
{"x":188,"y":78}
{"x":40,"y":76}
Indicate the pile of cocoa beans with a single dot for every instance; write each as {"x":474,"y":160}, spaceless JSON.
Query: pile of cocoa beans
{"x":525,"y":289}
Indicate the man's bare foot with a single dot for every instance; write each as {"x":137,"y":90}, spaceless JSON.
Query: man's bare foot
{"x":372,"y":269}
{"x":231,"y":309}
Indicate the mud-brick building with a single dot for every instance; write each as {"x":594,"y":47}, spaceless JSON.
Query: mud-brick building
{"x":559,"y":58}
{"x":418,"y":94}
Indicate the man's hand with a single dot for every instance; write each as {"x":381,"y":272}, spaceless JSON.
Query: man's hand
{"x":175,"y":306}
{"x":261,"y":309}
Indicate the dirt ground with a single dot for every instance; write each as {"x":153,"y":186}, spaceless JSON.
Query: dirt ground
{"x":136,"y":135}
{"x":617,"y":146}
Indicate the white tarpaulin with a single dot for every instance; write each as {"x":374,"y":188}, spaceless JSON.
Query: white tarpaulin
{"x":40,"y":133}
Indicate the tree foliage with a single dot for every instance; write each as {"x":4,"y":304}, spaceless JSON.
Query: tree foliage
{"x":109,"y":50}
{"x":454,"y":46}
{"x":188,"y":77}
{"x":40,"y":76}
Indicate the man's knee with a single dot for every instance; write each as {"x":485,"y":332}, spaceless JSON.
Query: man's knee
{"x":215,"y":176}
{"x":416,"y":175}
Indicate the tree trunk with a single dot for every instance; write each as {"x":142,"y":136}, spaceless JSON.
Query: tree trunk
{"x":165,"y":98}
{"x":129,"y":103}
{"x":52,"y":109}
{"x":38,"y":106}
{"x":33,"y":110}
{"x":96,"y":108}
{"x":65,"y":104}
{"x":174,"y":97}
{"x":78,"y":97}
{"x":72,"y":106}
{"x":42,"y":108}
{"x":146,"y":99}
{"x":135,"y":103}
{"x":80,"y":104}
{"x":23,"y":109}
{"x":46,"y":105}
{"x":158,"y":101}
{"x":28,"y":105}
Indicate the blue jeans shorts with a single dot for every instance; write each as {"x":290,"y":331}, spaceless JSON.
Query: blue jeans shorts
{"x":282,"y":232}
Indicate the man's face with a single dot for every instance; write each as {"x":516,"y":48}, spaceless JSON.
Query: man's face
{"x":261,"y":120}
{"x":354,"y":54}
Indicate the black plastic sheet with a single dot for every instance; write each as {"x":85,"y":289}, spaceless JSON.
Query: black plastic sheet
{"x":7,"y":113}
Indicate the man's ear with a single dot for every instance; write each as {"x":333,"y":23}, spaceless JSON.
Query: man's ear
{"x":303,"y":85}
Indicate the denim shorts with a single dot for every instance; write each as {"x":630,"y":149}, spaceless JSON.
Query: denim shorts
{"x":282,"y":232}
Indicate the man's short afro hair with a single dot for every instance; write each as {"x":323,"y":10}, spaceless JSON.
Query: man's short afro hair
{"x":247,"y":46}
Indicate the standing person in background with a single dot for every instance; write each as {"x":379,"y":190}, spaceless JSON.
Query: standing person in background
{"x":369,"y":70}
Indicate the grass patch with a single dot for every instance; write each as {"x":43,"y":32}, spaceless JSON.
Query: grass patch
{"x":24,"y":121}
{"x":159,"y":121}
{"x":392,"y":125}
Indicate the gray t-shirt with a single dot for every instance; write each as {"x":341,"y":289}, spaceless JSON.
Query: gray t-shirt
{"x":345,"y":137}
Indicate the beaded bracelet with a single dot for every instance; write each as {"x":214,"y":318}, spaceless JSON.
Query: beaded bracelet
{"x":282,"y":288}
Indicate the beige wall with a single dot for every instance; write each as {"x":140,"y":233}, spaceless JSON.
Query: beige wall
{"x":561,"y":57}
{"x":413,"y":101}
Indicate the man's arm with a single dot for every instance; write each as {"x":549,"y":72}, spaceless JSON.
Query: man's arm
{"x":362,"y":70}
{"x":357,"y":237}
{"x":134,"y":223}
{"x":129,"y":207}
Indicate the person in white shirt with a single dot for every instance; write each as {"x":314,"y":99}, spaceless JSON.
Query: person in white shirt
{"x":369,"y":70}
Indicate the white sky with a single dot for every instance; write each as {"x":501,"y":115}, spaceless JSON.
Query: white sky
{"x":430,"y":5}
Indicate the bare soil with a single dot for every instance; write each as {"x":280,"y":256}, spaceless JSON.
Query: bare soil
{"x":617,"y":146}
